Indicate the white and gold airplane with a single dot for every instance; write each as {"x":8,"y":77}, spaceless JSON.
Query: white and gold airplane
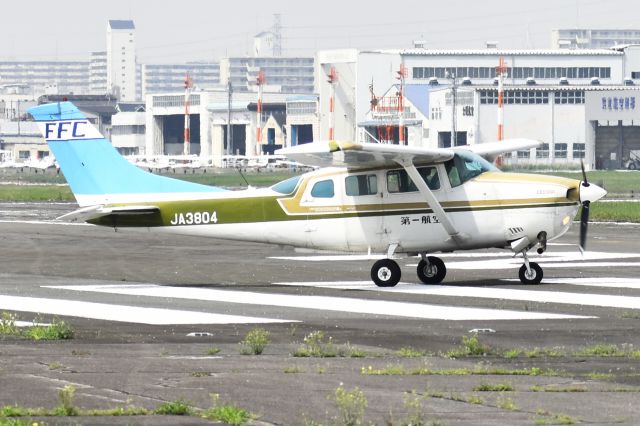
{"x":374,"y":198}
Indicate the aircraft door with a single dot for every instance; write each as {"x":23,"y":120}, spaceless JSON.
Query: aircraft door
{"x":323,"y":203}
{"x":363,"y":205}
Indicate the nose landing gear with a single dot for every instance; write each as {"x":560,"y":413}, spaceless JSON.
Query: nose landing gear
{"x":530,"y":272}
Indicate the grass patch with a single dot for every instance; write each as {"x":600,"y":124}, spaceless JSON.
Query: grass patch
{"x":200,"y":374}
{"x":471,"y":346}
{"x":409,"y":352}
{"x":255,"y":341}
{"x":602,"y":350}
{"x":12,"y":192}
{"x":293,"y":370}
{"x":57,"y":330}
{"x":316,"y":345}
{"x":399,"y":370}
{"x":229,"y":414}
{"x":596,"y":375}
{"x":175,"y":408}
{"x":213,"y":351}
{"x":494,"y":387}
{"x":558,"y":389}
{"x":506,"y":404}
{"x":614,"y":211}
{"x":546,"y":418}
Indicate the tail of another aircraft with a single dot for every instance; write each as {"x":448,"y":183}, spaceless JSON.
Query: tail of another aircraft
{"x":95,"y":171}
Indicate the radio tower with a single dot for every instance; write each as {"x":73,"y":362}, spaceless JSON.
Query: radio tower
{"x":402,"y":74}
{"x":277,"y":35}
{"x":188,"y":85}
{"x":260,"y":81}
{"x":333,"y":79}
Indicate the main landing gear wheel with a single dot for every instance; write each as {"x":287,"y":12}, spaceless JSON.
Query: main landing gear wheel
{"x":385,"y":273}
{"x":432,"y":272}
{"x":534,"y":277}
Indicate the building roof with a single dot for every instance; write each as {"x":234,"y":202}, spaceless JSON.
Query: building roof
{"x":121,"y":25}
{"x":511,"y":52}
{"x":130,"y":107}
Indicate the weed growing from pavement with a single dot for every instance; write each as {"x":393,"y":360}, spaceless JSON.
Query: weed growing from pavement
{"x":506,"y":403}
{"x":494,"y":387}
{"x":293,"y":370}
{"x":546,"y":418}
{"x":175,"y":408}
{"x":351,"y":406}
{"x":409,"y":352}
{"x":255,"y":341}
{"x":316,"y":345}
{"x":55,"y":366}
{"x":58,"y":330}
{"x":399,"y":370}
{"x":558,"y":389}
{"x":229,"y":414}
{"x":200,"y":374}
{"x":471,"y":346}
{"x":67,"y":406}
{"x":213,"y":351}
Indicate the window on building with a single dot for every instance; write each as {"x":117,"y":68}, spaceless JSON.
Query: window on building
{"x":578,"y":150}
{"x":560,"y":150}
{"x":361,"y":185}
{"x":24,"y":155}
{"x":542,"y":151}
{"x":524,"y":154}
{"x":323,"y":189}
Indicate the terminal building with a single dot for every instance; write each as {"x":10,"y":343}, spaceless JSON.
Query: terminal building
{"x":582,"y":103}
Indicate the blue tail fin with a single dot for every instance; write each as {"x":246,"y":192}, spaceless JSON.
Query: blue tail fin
{"x":95,"y":171}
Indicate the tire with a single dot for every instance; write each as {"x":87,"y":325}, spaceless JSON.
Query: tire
{"x":434,"y":273}
{"x":632,"y":165}
{"x":386,"y":273}
{"x":534,"y":278}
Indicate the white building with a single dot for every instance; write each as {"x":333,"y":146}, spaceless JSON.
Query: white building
{"x":592,"y":38}
{"x":35,"y":76}
{"x":163,"y":78}
{"x":98,"y":73}
{"x":552,"y":95}
{"x":121,"y":60}
{"x":128,"y":129}
{"x":289,"y":74}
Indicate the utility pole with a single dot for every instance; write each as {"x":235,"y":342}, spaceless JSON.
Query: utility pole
{"x":402,"y":74}
{"x":188,"y":85}
{"x":229,"y":128}
{"x":452,"y":76}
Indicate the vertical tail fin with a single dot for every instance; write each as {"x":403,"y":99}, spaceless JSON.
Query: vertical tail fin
{"x":95,"y":171}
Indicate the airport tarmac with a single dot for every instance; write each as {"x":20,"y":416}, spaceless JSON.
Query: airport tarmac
{"x":147,"y":308}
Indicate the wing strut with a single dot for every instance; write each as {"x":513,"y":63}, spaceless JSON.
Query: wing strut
{"x":443,"y":218}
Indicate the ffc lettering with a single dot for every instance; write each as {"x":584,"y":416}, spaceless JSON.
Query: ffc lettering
{"x":68,"y":129}
{"x":194,"y":218}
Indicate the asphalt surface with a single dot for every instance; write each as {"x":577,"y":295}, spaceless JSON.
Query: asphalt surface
{"x":133,"y":298}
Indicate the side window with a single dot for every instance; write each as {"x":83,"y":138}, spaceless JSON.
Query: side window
{"x":430,"y":176}
{"x":323,"y":189}
{"x":361,"y":185}
{"x":399,"y":181}
{"x":452,"y":172}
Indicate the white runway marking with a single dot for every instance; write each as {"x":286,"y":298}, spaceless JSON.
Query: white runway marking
{"x":604,"y":300}
{"x":102,"y":311}
{"x":339,"y":304}
{"x":596,"y":282}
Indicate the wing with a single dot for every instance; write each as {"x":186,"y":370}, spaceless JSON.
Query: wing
{"x":491,"y":150}
{"x":362,"y":155}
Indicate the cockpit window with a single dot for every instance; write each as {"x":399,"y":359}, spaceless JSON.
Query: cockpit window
{"x":286,"y":186}
{"x":323,"y":189}
{"x":466,"y":165}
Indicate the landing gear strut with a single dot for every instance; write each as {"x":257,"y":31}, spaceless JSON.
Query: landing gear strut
{"x":386,"y":273}
{"x":431,"y":269}
{"x":530,"y":272}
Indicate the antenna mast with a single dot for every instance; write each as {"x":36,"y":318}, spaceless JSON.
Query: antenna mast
{"x":333,"y":79}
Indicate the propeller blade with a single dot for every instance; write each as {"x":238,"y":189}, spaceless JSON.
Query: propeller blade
{"x":584,"y":174}
{"x":584,"y":224}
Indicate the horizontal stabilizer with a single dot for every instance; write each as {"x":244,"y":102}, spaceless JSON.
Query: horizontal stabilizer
{"x":94,"y":212}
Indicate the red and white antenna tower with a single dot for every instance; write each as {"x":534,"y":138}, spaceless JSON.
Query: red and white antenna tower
{"x":260,"y":81}
{"x":333,"y":79}
{"x":501,"y":72}
{"x":188,"y":86}
{"x":402,"y":74}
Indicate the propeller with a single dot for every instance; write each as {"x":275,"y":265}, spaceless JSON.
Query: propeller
{"x":588,"y":194}
{"x":584,"y":216}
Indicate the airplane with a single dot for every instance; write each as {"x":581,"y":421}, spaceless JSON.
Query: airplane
{"x":365,"y":197}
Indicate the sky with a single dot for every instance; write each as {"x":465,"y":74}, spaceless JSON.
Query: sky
{"x":201,"y":30}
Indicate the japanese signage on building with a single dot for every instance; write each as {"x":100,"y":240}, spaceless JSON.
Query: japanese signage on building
{"x":612,"y":105}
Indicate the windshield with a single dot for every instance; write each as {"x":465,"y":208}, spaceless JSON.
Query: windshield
{"x":466,"y":165}
{"x":286,"y":186}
